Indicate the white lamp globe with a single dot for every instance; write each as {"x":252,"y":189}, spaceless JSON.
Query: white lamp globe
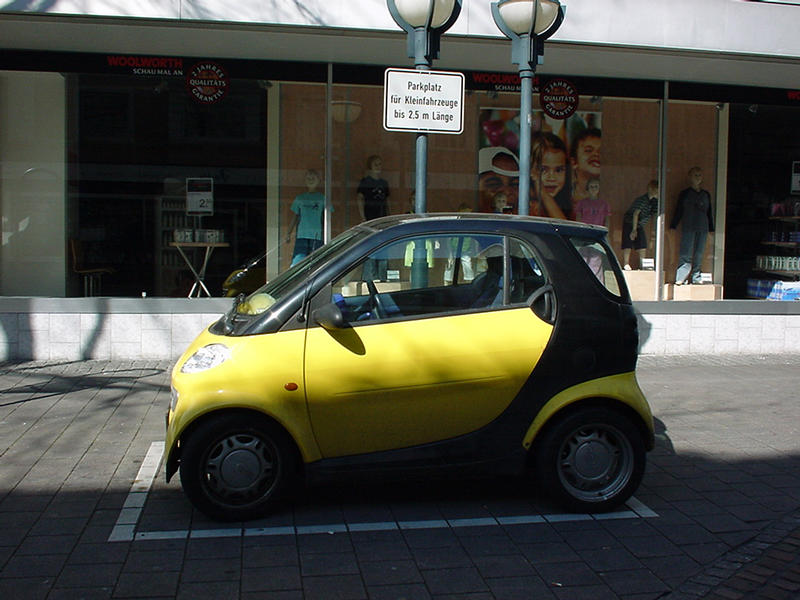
{"x":416,"y":12}
{"x":518,"y":15}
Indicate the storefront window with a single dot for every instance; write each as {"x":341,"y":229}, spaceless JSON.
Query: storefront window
{"x":359,"y":139}
{"x":32,"y":184}
{"x":123,"y":182}
{"x":692,"y":196}
{"x":763,"y":203}
{"x":134,"y":145}
{"x":590,"y":165}
{"x":296,"y":197}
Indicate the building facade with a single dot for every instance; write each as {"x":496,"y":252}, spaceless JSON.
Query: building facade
{"x":128,"y":129}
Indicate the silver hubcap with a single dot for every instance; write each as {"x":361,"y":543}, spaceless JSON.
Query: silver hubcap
{"x":595,"y":462}
{"x":240,"y":468}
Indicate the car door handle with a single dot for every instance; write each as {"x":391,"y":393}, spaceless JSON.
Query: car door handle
{"x":543,"y":303}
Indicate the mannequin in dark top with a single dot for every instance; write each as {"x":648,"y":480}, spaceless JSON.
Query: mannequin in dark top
{"x":694,"y":212}
{"x":373,"y":191}
{"x":641,"y":210}
{"x":372,"y":199}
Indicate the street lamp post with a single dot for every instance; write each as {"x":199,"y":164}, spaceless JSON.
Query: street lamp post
{"x":424,"y":21}
{"x":527,"y":23}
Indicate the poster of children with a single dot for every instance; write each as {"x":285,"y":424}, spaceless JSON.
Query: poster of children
{"x":565,"y":164}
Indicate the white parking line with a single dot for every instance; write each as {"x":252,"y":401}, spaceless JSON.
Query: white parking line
{"x":125,"y":528}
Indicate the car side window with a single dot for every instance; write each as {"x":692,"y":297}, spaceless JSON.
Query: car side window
{"x":596,"y":258}
{"x":433,"y":274}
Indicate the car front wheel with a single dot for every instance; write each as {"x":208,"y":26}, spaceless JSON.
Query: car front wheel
{"x":591,"y":460}
{"x":235,"y":467}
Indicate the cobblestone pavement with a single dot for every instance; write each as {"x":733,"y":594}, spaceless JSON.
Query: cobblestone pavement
{"x":85,"y":511}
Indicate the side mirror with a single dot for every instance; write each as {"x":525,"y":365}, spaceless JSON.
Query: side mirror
{"x":329,"y":316}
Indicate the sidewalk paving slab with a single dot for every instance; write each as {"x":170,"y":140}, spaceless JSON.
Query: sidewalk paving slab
{"x":722,"y":489}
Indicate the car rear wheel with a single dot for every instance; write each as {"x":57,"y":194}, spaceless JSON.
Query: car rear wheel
{"x":591,"y":460}
{"x":235,"y":467}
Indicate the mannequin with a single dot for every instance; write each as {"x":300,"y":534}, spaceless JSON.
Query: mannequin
{"x":641,"y":210}
{"x":372,"y":199}
{"x":695,"y":214}
{"x":308,"y":209}
{"x":373,"y":191}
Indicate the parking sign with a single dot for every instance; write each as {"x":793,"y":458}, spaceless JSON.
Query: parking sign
{"x":423,"y":101}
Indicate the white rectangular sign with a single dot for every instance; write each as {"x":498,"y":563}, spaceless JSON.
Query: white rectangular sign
{"x":423,"y":101}
{"x":199,"y":196}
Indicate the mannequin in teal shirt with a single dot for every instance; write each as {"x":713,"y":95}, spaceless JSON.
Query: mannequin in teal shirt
{"x":308,"y":209}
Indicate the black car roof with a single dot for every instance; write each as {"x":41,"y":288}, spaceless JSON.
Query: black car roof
{"x":484,"y":222}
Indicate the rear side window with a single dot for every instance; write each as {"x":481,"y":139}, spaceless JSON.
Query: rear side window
{"x":597,"y":260}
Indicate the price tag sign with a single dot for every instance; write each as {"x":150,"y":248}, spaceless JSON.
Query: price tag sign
{"x":423,"y":101}
{"x":199,"y":196}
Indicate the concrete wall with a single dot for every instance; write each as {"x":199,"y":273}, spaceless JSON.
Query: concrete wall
{"x":102,"y":328}
{"x":722,"y":327}
{"x":118,"y":328}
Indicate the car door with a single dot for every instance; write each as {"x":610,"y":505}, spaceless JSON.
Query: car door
{"x":438,"y":347}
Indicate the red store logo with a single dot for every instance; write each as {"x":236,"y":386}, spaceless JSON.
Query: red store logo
{"x":559,"y":98}
{"x":207,"y":82}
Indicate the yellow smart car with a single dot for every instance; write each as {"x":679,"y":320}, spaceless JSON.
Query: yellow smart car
{"x":420,"y":342}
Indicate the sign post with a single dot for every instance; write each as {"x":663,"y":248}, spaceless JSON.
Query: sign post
{"x":426,"y":102}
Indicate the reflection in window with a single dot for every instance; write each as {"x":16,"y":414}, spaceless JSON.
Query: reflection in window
{"x":597,"y":260}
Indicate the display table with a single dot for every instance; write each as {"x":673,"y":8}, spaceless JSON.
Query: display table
{"x":199,"y":274}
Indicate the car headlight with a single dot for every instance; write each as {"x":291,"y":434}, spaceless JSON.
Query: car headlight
{"x":206,"y":358}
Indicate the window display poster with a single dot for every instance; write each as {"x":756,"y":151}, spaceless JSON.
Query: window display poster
{"x":199,"y":196}
{"x":795,"y":177}
{"x":565,"y":157}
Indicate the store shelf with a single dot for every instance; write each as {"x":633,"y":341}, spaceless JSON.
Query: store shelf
{"x":786,"y":219}
{"x":778,"y":274}
{"x":782,"y":244}
{"x":792,"y":274}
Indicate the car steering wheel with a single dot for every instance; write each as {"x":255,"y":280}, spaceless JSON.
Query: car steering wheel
{"x":375,"y":300}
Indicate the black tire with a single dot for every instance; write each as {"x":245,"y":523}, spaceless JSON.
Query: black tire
{"x":235,"y":467}
{"x":591,"y":460}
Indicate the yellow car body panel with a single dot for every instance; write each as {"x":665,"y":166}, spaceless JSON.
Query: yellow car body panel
{"x":396,"y":385}
{"x":253,"y":377}
{"x":623,"y":388}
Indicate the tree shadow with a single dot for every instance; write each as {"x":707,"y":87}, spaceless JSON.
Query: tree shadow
{"x":49,"y":383}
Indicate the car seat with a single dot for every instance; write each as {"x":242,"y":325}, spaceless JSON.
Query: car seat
{"x":488,"y":286}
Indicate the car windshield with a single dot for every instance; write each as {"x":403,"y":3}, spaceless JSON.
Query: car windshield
{"x":274,"y":291}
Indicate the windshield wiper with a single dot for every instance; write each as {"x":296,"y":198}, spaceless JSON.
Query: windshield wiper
{"x":230,"y":316}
